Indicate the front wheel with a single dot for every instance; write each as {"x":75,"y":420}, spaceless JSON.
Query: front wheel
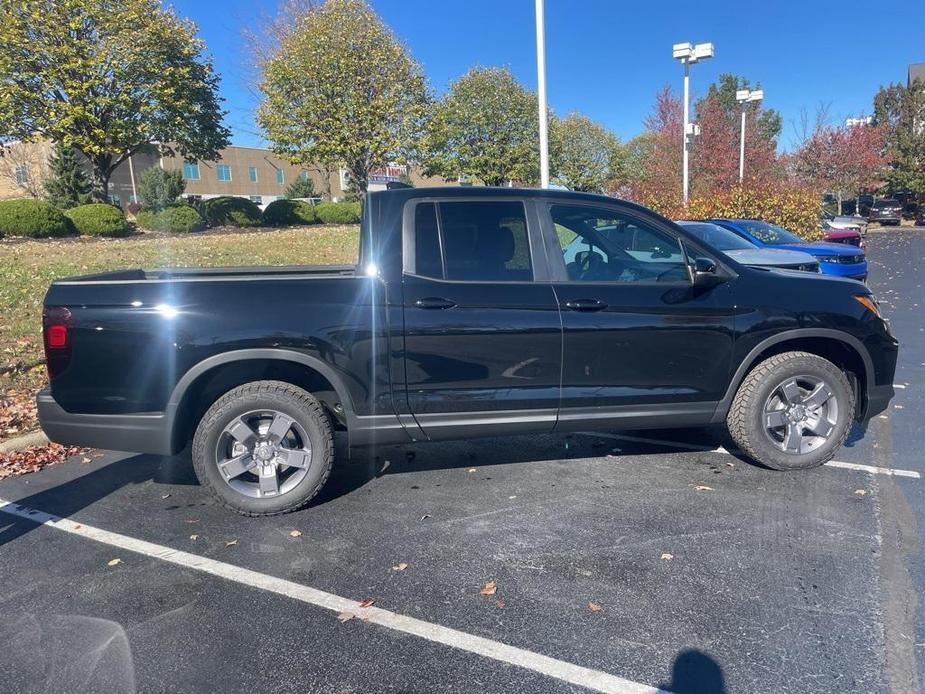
{"x":793,"y":411}
{"x":264,"y":448}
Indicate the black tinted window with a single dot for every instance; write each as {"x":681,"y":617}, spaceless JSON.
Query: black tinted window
{"x":427,"y":259}
{"x":479,"y":241}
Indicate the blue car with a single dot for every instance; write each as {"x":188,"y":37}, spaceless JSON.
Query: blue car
{"x":837,"y":259}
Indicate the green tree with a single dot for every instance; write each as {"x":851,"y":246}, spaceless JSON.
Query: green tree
{"x":584,"y":155}
{"x":485,"y":127}
{"x":301,"y":187}
{"x":341,"y":90}
{"x":767,"y":120}
{"x":107,"y":77}
{"x":158,"y":188}
{"x":899,"y":111}
{"x":67,"y":184}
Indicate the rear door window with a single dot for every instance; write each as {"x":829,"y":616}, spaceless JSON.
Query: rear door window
{"x":481,"y":241}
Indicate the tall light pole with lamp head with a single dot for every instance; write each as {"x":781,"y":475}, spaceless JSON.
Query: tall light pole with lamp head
{"x":688,"y":54}
{"x":744,"y":97}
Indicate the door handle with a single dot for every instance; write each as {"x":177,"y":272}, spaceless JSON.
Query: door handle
{"x":586,"y":305}
{"x":434,"y":302}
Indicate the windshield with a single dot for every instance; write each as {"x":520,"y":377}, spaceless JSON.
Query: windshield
{"x":769,"y":233}
{"x":717,"y":237}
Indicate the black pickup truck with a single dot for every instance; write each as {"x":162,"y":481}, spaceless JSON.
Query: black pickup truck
{"x":472,"y":312}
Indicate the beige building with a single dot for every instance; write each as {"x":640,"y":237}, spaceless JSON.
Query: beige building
{"x":249,"y":172}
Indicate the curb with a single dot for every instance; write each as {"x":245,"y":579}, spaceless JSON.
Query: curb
{"x":21,"y":443}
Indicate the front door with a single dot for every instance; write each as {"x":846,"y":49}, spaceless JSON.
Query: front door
{"x":483,"y":339}
{"x":641,"y":345}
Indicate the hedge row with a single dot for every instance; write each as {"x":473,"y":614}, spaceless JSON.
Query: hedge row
{"x":40,"y":219}
{"x":794,"y":209}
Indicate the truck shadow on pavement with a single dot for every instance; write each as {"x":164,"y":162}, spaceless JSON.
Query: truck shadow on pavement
{"x":353,"y":469}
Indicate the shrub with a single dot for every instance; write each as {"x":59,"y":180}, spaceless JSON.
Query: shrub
{"x":338,"y":212}
{"x":146,"y":219}
{"x":158,"y":188}
{"x":179,"y":218}
{"x":231,"y":211}
{"x":289,"y":212}
{"x":37,"y":219}
{"x":98,"y":219}
{"x":301,"y":188}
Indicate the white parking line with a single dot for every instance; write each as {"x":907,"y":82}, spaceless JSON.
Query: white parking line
{"x":544,"y":665}
{"x":709,"y":449}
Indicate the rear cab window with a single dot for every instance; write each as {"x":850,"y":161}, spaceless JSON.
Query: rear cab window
{"x":475,"y":241}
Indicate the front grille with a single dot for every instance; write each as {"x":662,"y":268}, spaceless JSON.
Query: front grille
{"x":805,"y":267}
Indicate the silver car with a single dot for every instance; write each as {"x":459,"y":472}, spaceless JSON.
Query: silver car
{"x":744,"y":252}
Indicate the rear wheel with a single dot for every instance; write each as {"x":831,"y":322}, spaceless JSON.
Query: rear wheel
{"x":264,"y":448}
{"x":792,"y":411}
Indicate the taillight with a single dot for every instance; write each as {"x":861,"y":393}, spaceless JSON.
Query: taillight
{"x":56,"y":325}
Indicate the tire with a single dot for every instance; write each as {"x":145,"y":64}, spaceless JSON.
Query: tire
{"x":260,"y":435}
{"x":766,"y":411}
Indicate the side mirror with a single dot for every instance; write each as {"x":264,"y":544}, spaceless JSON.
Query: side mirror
{"x":704,"y":272}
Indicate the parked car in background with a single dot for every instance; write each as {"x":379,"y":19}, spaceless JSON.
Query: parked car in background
{"x":865,"y":202}
{"x":886,"y":212}
{"x":844,"y":222}
{"x":836,"y":259}
{"x":850,"y":237}
{"x":746,"y":252}
{"x":920,"y":216}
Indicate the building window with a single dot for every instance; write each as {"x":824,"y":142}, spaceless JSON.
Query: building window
{"x":257,"y":199}
{"x":280,"y":176}
{"x":22,"y":174}
{"x":191,"y":170}
{"x":252,"y":173}
{"x":224,"y":172}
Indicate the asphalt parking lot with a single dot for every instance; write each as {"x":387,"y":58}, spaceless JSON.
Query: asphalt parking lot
{"x":621,"y":562}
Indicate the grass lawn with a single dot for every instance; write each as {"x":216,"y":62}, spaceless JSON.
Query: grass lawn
{"x":28,"y":267}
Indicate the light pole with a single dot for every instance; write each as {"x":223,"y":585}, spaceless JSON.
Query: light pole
{"x":744,"y":97}
{"x":688,"y":54}
{"x":541,"y":94}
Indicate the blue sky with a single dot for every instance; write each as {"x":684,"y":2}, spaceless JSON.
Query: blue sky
{"x":607,"y":58}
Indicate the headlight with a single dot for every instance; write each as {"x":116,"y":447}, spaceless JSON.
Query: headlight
{"x":827,"y":258}
{"x":868,"y":302}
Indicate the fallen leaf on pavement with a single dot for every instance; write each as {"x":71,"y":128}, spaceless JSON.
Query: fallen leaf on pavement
{"x":230,"y":543}
{"x":368,"y":602}
{"x":295,"y":533}
{"x":194,"y":537}
{"x":860,"y":492}
{"x":472,"y":469}
{"x":667,"y":557}
{"x":400,"y":567}
{"x":344,"y":617}
{"x":114,"y":562}
{"x":86,"y":459}
{"x":594,"y":607}
{"x":191,"y":520}
{"x":702,"y":488}
{"x":489,"y":588}
{"x":165,"y":496}
{"x":501,"y":603}
{"x":425,"y":516}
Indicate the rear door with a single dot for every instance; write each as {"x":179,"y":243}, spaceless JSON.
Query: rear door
{"x":482,"y":335}
{"x":641,"y":345}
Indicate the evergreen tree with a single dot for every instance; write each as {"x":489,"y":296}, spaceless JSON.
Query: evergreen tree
{"x":67,"y":184}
